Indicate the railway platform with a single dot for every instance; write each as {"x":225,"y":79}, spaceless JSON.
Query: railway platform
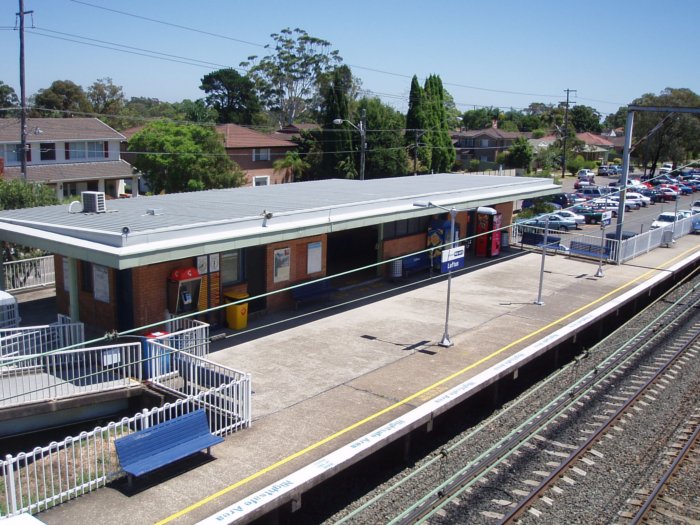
{"x":329,"y":387}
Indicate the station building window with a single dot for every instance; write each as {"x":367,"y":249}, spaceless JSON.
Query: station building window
{"x":231,"y":267}
{"x":396,"y":229}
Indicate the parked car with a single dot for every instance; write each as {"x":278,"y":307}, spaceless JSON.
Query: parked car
{"x":695,"y":206}
{"x":592,"y":192}
{"x":636,"y":196}
{"x":654,"y":195}
{"x":665,"y":219}
{"x":614,"y":169}
{"x":685,"y":189}
{"x":570,"y":214}
{"x":551,"y":220}
{"x":591,"y":214}
{"x":603,"y":170}
{"x":630,"y":204}
{"x":586,"y":174}
{"x":668,"y":194}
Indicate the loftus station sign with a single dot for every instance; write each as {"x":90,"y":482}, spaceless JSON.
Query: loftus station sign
{"x":452,"y":259}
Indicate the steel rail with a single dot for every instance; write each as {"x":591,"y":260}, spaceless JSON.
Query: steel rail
{"x":576,"y":455}
{"x":493,"y":457}
{"x":673,"y":467}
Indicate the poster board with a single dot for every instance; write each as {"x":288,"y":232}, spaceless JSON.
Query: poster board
{"x":282,"y":262}
{"x":314,"y":257}
{"x":100,"y":282}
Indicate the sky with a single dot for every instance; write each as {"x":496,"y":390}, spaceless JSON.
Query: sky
{"x":507,"y":54}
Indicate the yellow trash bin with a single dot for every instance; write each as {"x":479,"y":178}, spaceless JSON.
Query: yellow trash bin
{"x":236,"y":314}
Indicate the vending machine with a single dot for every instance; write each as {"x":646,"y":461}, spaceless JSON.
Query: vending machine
{"x":488,"y":242}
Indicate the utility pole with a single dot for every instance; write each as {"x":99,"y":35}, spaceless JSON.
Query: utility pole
{"x":566,"y":132}
{"x":23,"y":92}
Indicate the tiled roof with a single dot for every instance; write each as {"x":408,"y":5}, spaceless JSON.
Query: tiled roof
{"x":493,"y":133}
{"x":236,"y":136}
{"x":76,"y":171}
{"x":57,"y":129}
{"x":592,"y":139}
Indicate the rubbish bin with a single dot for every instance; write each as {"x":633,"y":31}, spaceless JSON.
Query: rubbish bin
{"x":156,"y":360}
{"x":396,"y":269}
{"x":236,"y":314}
{"x":505,"y":240}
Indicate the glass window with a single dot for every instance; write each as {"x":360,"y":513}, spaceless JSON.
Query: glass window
{"x":76,"y":150}
{"x":484,"y":143}
{"x":95,"y":150}
{"x":11,"y":153}
{"x":261,"y":154}
{"x":231,"y":267}
{"x":86,"y":276}
{"x":47,"y":151}
{"x":261,"y":180}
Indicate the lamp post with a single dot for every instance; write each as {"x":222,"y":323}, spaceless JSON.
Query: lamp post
{"x":545,"y":242}
{"x":363,"y":137}
{"x":446,"y":341}
{"x":599,"y":272}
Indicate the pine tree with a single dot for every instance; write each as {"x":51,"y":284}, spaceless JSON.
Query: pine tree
{"x":443,"y":152}
{"x":416,"y":124}
{"x":337,"y":140}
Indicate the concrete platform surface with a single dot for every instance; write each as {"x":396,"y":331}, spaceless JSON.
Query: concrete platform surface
{"x":322,"y":383}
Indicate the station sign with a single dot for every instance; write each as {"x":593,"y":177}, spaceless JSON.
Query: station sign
{"x":606,"y":218}
{"x":452,"y":259}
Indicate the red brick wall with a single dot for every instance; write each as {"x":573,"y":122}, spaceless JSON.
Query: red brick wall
{"x":297,"y":270}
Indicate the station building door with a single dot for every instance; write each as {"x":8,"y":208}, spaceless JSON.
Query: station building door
{"x":352,"y":249}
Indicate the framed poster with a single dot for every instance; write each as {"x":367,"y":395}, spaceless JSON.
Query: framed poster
{"x":202,"y":267}
{"x":100,"y":280}
{"x":314,"y":257}
{"x":281,"y":265}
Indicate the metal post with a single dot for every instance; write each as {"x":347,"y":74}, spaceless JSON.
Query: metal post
{"x":675,"y":219}
{"x":599,"y":273}
{"x":623,"y":182}
{"x":363,"y":144}
{"x":23,"y":95}
{"x":544,"y":254}
{"x":446,"y":341}
{"x":566,"y":132}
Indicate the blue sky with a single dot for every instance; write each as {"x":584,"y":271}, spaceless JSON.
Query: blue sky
{"x":508,"y":53}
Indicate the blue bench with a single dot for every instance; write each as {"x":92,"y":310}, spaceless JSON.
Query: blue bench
{"x":537,"y":239}
{"x":165,"y":443}
{"x":312,"y":291}
{"x":588,"y":249}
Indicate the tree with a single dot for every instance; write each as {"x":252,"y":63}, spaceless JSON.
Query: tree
{"x":197,"y":111}
{"x":617,"y":119}
{"x":386,"y":155}
{"x":64,"y":98}
{"x":292,"y":165}
{"x":8,"y":99}
{"x":416,"y":124}
{"x":438,"y":137}
{"x":585,"y":118}
{"x":15,"y":194}
{"x":520,"y":154}
{"x":479,"y":118}
{"x":105,"y":97}
{"x":667,"y":136}
{"x":287,"y":79}
{"x":176,"y":157}
{"x":231,"y":95}
{"x":336,"y":141}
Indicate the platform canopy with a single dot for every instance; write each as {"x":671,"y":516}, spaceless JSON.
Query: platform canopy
{"x":150,"y":229}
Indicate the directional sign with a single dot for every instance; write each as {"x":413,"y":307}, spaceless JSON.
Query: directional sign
{"x":452,"y":259}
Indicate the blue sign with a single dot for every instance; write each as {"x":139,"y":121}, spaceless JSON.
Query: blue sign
{"x":452,"y":259}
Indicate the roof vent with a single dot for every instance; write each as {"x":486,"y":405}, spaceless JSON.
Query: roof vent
{"x":94,"y":202}
{"x":154,"y":211}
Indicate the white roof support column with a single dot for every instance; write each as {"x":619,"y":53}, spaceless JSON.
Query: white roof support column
{"x":74,"y":309}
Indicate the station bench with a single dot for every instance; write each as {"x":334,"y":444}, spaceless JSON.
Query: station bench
{"x":588,"y":249}
{"x":159,"y":445}
{"x":312,"y":291}
{"x":537,"y":239}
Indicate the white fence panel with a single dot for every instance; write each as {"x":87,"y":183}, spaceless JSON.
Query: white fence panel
{"x":29,"y":273}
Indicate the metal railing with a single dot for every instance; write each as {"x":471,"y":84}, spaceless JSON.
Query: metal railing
{"x":68,"y":373}
{"x":47,"y":476}
{"x":29,"y":273}
{"x":33,"y":340}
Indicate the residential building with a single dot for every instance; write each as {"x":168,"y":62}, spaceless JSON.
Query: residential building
{"x":71,"y":155}
{"x":484,"y":144}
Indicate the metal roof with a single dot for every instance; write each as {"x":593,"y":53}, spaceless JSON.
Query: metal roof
{"x":146,"y":230}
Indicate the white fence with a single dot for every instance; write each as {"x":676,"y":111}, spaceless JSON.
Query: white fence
{"x":47,"y":476}
{"x":33,"y":340}
{"x":29,"y":273}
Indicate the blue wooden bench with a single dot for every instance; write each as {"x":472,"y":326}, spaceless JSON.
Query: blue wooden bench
{"x":165,"y":443}
{"x":537,"y":239}
{"x":312,"y":291}
{"x":588,"y":249}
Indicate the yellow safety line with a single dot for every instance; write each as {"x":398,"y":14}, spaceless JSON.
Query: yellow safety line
{"x":404,"y":401}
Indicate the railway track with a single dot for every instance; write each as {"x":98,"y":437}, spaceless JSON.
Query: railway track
{"x":552,"y":455}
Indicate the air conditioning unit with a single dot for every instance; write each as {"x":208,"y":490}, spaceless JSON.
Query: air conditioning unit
{"x":94,"y":202}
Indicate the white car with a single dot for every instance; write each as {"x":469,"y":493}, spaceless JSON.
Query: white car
{"x":630,"y":204}
{"x":668,"y":193}
{"x":587,"y":175}
{"x":666,"y":218}
{"x":632,"y":195}
{"x":567,"y":214}
{"x":695,"y":206}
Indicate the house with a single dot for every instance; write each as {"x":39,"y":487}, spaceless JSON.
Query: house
{"x":292,"y":131}
{"x":595,"y":147}
{"x":254,"y":152}
{"x":71,"y":155}
{"x":484,"y":144}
